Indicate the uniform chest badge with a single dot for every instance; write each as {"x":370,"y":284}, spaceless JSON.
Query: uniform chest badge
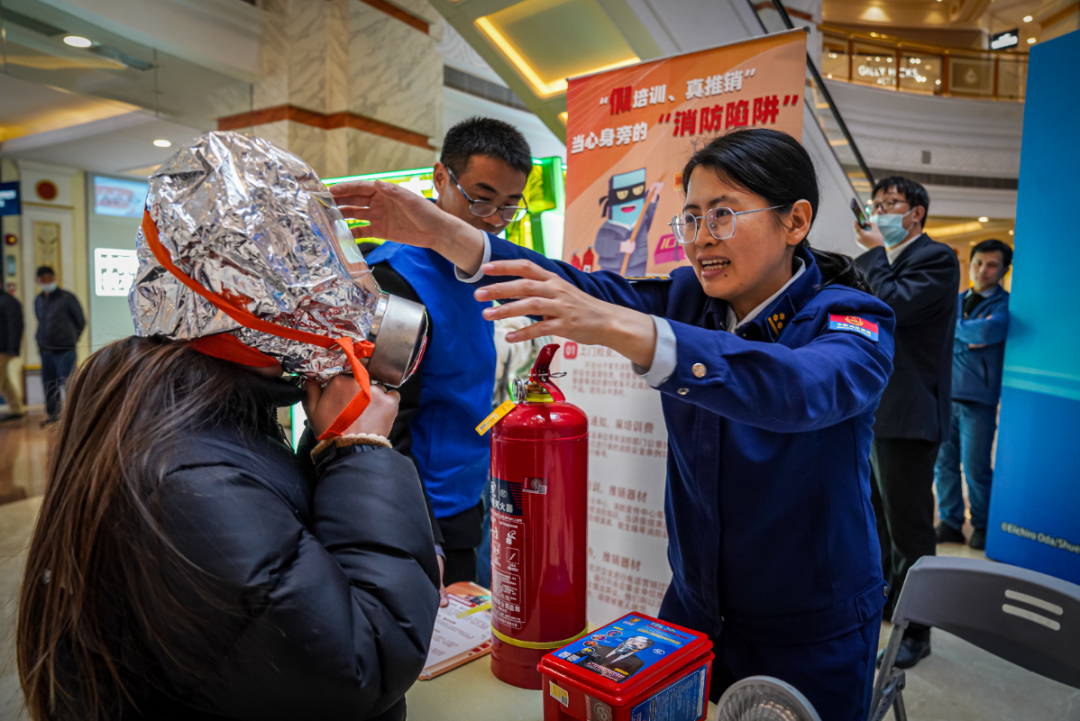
{"x":854,"y":324}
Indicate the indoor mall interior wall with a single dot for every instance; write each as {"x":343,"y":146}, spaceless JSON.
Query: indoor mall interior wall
{"x":969,"y":137}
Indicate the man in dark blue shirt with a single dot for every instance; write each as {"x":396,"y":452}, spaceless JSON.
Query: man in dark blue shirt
{"x":978,"y":356}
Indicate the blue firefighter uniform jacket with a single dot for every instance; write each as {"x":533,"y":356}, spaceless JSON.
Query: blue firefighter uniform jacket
{"x":768,"y":498}
{"x":977,"y":371}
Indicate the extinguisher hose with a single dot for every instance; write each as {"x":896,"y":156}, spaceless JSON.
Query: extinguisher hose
{"x":536,"y":644}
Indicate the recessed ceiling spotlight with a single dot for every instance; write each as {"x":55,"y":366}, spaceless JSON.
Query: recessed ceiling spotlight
{"x":1011,"y":232}
{"x":1031,"y":41}
{"x":163,"y":143}
{"x":77,"y":41}
{"x":984,"y":219}
{"x":1028,"y":18}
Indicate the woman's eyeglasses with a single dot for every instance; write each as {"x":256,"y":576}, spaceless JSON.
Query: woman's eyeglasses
{"x":719,"y":221}
{"x":486,"y":209}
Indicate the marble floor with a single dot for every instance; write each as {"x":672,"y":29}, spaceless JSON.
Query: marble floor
{"x":958,"y":682}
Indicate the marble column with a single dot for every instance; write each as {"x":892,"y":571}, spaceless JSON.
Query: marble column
{"x":351,"y":86}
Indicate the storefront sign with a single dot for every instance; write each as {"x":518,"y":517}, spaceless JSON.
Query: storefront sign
{"x":120,"y":198}
{"x":114,"y":271}
{"x":1007,"y":39}
{"x":629,"y":133}
{"x":9,"y":198}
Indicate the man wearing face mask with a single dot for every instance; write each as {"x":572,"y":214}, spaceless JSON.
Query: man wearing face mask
{"x":60,"y":323}
{"x":480,"y":178}
{"x":918,"y":278}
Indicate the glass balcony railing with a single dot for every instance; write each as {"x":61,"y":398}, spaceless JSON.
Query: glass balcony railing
{"x":882,"y":61}
{"x":774,"y":18}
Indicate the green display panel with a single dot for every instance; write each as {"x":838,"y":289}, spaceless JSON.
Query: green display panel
{"x":542,"y":227}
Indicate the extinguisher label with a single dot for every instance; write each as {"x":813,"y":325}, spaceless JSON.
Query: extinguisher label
{"x":506,"y":497}
{"x":507,"y":554}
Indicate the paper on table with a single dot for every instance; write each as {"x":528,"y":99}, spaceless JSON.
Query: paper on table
{"x":459,"y":640}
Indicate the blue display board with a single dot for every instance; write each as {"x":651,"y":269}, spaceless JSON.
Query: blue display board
{"x":9,"y":198}
{"x":1035,"y":502}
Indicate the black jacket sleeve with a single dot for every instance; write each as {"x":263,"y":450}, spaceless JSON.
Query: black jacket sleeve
{"x":12,"y":324}
{"x":914,"y":290}
{"x":344,"y":602}
{"x":75,"y":312}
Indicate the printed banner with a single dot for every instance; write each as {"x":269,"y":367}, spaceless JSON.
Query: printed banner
{"x":630,"y":131}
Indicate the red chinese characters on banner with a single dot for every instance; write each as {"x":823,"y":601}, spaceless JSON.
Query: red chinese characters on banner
{"x":621,"y":100}
{"x":738,"y":114}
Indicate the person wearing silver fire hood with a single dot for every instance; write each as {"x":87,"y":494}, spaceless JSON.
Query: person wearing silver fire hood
{"x":186,"y":563}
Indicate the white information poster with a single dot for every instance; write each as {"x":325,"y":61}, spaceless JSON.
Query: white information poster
{"x":628,"y":566}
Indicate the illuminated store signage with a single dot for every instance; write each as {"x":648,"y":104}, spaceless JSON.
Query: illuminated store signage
{"x":886,"y":75}
{"x":114,"y":271}
{"x":1007,"y":39}
{"x":120,"y":198}
{"x":9,"y":198}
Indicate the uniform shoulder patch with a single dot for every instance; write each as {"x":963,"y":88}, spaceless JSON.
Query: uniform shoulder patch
{"x":854,"y":324}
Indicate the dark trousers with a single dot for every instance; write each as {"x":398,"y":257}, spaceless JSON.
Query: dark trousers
{"x":462,"y":533}
{"x":901,"y":489}
{"x":56,"y":366}
{"x":835,"y":675}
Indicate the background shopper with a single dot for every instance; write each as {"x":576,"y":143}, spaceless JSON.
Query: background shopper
{"x":917,"y":277}
{"x":60,"y":323}
{"x":480,"y":178}
{"x":11,"y":332}
{"x":760,"y":376}
{"x":978,"y":358}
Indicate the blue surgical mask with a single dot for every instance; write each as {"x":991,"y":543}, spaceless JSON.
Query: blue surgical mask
{"x":48,"y":287}
{"x":891,"y":227}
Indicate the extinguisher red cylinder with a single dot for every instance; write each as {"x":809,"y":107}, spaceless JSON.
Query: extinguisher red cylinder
{"x":539,"y":521}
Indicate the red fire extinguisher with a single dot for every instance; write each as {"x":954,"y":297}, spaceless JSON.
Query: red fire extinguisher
{"x":539,"y":497}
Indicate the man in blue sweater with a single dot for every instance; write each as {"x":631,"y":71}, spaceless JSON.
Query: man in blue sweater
{"x":480,"y":178}
{"x":978,"y":356}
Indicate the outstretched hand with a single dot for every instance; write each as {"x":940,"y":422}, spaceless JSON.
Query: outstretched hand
{"x":567,"y":311}
{"x":394,"y":213}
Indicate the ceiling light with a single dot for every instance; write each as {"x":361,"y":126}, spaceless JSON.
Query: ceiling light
{"x":873,"y":35}
{"x":830,"y":76}
{"x":1028,"y":18}
{"x":1031,"y":41}
{"x":1010,"y":232}
{"x":984,"y":219}
{"x":937,"y":82}
{"x":77,"y":41}
{"x":163,"y":143}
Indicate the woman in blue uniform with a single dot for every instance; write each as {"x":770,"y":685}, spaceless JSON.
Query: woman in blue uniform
{"x":771,"y":358}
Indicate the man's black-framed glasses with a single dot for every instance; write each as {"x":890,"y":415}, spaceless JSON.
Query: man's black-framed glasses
{"x":885,"y":206}
{"x":719,"y":221}
{"x":486,"y":209}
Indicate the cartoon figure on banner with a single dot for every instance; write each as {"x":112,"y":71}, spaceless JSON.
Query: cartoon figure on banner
{"x":622,"y":242}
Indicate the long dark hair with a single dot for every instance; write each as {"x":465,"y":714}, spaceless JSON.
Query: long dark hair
{"x":100,"y":599}
{"x":775,"y":166}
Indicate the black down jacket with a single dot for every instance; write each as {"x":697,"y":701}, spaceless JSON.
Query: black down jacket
{"x":329,"y":570}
